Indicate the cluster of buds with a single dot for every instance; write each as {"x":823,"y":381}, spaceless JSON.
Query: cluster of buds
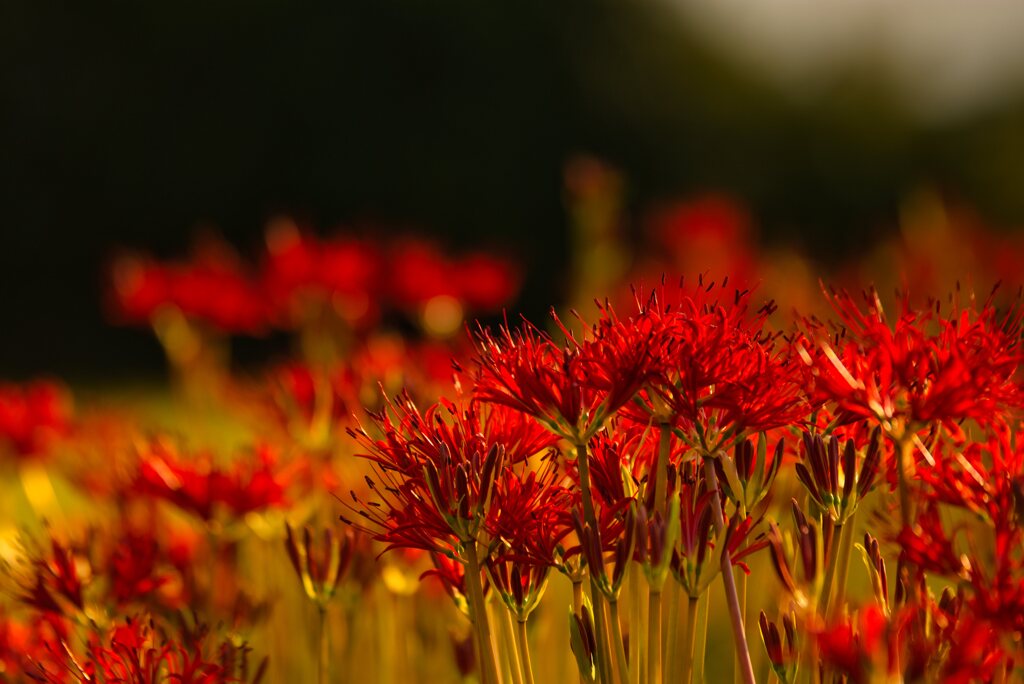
{"x":320,"y":570}
{"x":833,"y":480}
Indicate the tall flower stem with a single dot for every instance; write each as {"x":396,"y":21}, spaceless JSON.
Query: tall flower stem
{"x":830,"y":572}
{"x":843,"y":567}
{"x":524,"y":652}
{"x":620,"y":649}
{"x":636,"y":627}
{"x":512,"y":647}
{"x":731,"y":597}
{"x":324,"y":650}
{"x":654,"y":637}
{"x":689,"y":641}
{"x":904,"y":453}
{"x":702,"y":634}
{"x":596,"y":597}
{"x":478,"y":613}
{"x":670,"y":645}
{"x":738,"y":670}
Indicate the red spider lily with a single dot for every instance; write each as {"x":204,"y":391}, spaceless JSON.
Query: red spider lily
{"x":213,"y":289}
{"x":529,"y":517}
{"x":33,"y":416}
{"x":834,"y":481}
{"x":981,"y":477}
{"x":928,"y":547}
{"x":573,"y":389}
{"x":56,"y":585}
{"x":998,"y":592}
{"x":133,"y":568}
{"x":301,"y":273}
{"x":29,"y":641}
{"x":870,"y":645}
{"x":925,"y":368}
{"x":438,"y":470}
{"x":310,"y":404}
{"x":721,"y":375}
{"x":136,"y":652}
{"x":320,"y":570}
{"x":711,"y":231}
{"x":202,"y":488}
{"x":485,"y":282}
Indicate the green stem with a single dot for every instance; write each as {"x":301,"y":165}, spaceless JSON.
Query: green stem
{"x":620,"y":648}
{"x":478,"y":613}
{"x":702,"y":633}
{"x":843,"y":564}
{"x":670,"y":646}
{"x":689,"y":640}
{"x":596,"y":598}
{"x":731,"y":597}
{"x":604,"y":659}
{"x":524,"y":652}
{"x":324,"y":650}
{"x":511,"y":646}
{"x":905,"y":447}
{"x":636,"y":626}
{"x":654,"y":637}
{"x":737,"y":671}
{"x":833,"y":556}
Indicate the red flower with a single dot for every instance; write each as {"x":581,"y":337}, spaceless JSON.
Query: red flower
{"x":134,"y":568}
{"x":437,"y":470}
{"x":925,"y":368}
{"x":342,"y":273}
{"x":571,"y":389}
{"x":56,"y":586}
{"x":32,"y":416}
{"x":201,"y":488}
{"x":139,"y":652}
{"x":213,"y":289}
{"x":719,"y":372}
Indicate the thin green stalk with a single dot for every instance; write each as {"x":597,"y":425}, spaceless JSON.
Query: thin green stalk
{"x":511,"y":646}
{"x":636,"y":627}
{"x":604,"y":659}
{"x":524,"y":652}
{"x":324,"y":651}
{"x":702,"y":634}
{"x":843,"y":565}
{"x":737,"y":671}
{"x":596,"y":598}
{"x":654,"y":637}
{"x":732,"y":599}
{"x":830,"y":571}
{"x":689,"y":641}
{"x":620,"y":649}
{"x":670,"y":646}
{"x":478,"y":613}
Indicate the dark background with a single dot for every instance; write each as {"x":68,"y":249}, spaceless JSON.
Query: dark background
{"x":129,"y":124}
